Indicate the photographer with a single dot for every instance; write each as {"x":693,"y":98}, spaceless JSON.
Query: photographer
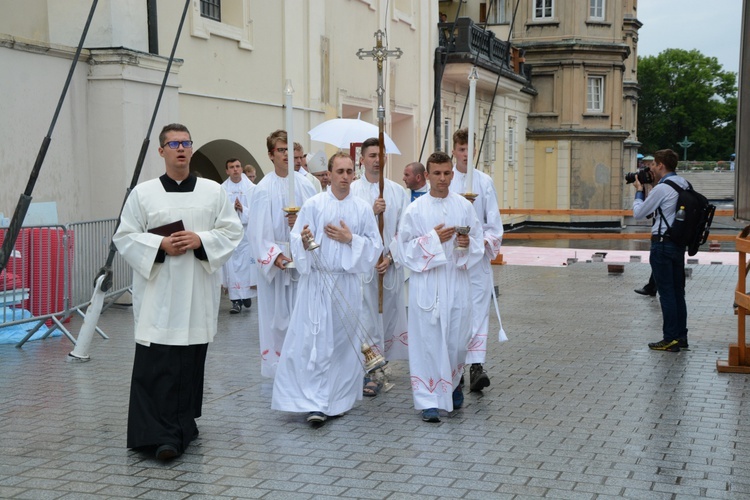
{"x":667,"y":258}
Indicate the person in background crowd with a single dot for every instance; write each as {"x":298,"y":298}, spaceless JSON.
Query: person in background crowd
{"x":488,"y":214}
{"x":277,"y":284}
{"x":239,"y":278}
{"x":250,"y":172}
{"x":388,"y":329}
{"x":415,"y":180}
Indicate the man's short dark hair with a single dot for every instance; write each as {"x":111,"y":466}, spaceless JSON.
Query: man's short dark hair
{"x":668,"y":158}
{"x":372,"y":141}
{"x":437,"y":157}
{"x":231,"y":160}
{"x":275,"y":137}
{"x":172,"y":127}
{"x":339,"y":154}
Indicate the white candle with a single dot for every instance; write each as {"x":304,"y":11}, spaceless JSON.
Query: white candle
{"x":472,"y":105}
{"x":289,"y":90}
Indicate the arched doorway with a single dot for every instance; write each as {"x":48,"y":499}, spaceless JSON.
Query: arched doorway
{"x":209,"y":160}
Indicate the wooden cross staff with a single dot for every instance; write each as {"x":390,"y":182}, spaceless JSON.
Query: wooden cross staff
{"x":380,"y":54}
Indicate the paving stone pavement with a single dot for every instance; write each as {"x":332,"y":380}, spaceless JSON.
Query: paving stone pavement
{"x":578,"y":407}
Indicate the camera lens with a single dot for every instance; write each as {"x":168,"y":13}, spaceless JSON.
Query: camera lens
{"x":630,"y":177}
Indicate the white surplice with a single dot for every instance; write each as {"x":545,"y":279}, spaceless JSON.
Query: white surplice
{"x":485,"y":206}
{"x":389,"y":329}
{"x":321,"y":365}
{"x":313,"y":180}
{"x":439,"y":295}
{"x":269,"y":238}
{"x":170,"y":303}
{"x":240,"y":273}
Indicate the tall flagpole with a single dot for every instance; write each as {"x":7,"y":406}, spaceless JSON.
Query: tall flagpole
{"x":380,"y":54}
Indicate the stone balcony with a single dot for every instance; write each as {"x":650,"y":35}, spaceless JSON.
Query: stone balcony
{"x":466,"y":42}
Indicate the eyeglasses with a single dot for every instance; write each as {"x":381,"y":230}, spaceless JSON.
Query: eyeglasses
{"x":176,"y":144}
{"x":281,"y":150}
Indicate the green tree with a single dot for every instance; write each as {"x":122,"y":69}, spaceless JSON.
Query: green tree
{"x":684,"y":93}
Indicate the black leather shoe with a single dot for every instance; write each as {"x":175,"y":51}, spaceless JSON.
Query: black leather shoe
{"x":645,"y":291}
{"x":166,"y":452}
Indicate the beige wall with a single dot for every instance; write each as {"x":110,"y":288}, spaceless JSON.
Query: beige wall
{"x":228,"y":88}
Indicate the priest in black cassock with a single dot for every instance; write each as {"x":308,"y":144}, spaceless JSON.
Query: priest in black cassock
{"x":175,"y":232}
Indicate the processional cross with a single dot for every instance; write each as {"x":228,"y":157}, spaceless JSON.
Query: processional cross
{"x":379,"y":53}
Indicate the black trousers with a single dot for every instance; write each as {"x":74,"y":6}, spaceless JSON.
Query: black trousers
{"x":166,"y":395}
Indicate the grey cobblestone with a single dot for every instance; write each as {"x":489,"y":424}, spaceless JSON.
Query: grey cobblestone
{"x":578,"y":407}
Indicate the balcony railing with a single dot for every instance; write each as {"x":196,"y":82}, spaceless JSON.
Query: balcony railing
{"x":464,"y":37}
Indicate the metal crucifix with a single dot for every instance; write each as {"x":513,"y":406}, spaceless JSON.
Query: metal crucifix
{"x":380,"y":54}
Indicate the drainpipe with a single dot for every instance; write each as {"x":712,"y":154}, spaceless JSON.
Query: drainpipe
{"x":153,"y":27}
{"x":438,"y":122}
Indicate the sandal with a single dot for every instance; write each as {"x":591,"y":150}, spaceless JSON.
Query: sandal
{"x":371,"y":388}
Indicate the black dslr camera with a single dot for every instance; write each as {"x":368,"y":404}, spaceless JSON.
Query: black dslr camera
{"x":643,"y":175}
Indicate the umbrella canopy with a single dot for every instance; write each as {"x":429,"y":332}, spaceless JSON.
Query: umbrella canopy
{"x":341,"y":132}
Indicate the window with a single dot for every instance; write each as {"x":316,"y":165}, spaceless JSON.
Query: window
{"x":403,"y":10}
{"x":543,"y":9}
{"x":595,"y":94}
{"x":488,"y":154}
{"x":211,"y":9}
{"x":447,"y":135}
{"x":231,"y":20}
{"x":596,"y":10}
{"x":510,"y":147}
{"x":493,"y":12}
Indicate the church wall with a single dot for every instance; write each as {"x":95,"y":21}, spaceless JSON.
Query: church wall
{"x":116,"y":23}
{"x":30,"y":95}
{"x":27,"y":19}
{"x":122,"y":95}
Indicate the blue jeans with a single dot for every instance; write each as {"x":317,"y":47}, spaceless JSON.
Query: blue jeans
{"x":668,"y":267}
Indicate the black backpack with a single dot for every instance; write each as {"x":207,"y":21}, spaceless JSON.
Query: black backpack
{"x":699,"y":213}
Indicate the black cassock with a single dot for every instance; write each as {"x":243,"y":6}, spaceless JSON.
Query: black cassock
{"x":166,"y":390}
{"x":166,"y":395}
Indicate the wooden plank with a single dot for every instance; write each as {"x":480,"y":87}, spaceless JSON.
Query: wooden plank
{"x":573,"y":211}
{"x":742,"y":300}
{"x":742,"y":245}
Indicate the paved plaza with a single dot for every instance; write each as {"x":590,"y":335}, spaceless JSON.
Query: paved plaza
{"x":579,"y":407}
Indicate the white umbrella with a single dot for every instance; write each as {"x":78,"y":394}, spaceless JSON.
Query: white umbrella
{"x":341,"y":132}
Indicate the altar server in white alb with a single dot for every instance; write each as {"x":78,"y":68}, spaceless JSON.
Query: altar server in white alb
{"x":321,"y":367}
{"x":175,"y":232}
{"x":389,"y":328}
{"x":439,"y":292}
{"x":300,"y":166}
{"x":240,"y":273}
{"x":485,"y":205}
{"x":277,"y":284}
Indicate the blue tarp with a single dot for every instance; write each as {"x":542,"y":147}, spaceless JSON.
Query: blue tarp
{"x":15,"y":333}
